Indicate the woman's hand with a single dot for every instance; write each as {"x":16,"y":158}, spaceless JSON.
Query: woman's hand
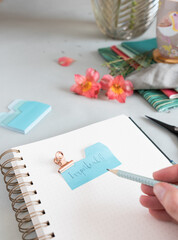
{"x":162,"y":199}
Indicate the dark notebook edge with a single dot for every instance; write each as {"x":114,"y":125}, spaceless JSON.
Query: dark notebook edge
{"x":150,"y":140}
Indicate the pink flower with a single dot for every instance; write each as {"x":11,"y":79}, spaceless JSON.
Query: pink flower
{"x":88,"y":85}
{"x":106,"y":81}
{"x":117,"y":88}
{"x":65,"y":61}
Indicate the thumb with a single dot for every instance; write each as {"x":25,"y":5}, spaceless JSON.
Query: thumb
{"x":168,"y":197}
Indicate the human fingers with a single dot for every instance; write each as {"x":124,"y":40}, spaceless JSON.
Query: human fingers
{"x":147,"y":190}
{"x":161,"y":215}
{"x":169,"y":174}
{"x":168,"y":197}
{"x":151,"y":202}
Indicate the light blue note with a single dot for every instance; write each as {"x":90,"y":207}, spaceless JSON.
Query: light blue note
{"x":23,"y":115}
{"x":97,"y":159}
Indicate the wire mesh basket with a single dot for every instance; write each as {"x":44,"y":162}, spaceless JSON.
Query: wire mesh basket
{"x":124,"y":19}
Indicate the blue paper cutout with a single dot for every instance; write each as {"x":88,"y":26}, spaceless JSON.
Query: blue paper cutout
{"x":23,"y":115}
{"x":98,"y":158}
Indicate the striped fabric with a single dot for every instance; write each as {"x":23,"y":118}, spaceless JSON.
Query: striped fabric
{"x":159,"y":100}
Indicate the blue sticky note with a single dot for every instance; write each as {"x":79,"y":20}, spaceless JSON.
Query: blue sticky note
{"x":98,"y":158}
{"x":23,"y":115}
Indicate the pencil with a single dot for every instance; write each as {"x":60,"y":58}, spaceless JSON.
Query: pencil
{"x":137,"y":178}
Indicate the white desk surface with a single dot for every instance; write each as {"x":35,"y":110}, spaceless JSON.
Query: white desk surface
{"x":33,"y":35}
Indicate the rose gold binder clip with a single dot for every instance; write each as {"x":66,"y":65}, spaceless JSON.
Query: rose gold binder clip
{"x":60,"y":160}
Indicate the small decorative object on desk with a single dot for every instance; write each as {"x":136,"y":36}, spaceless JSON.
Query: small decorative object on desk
{"x":167,"y":32}
{"x":65,"y":61}
{"x":61,"y":161}
{"x":124,"y":19}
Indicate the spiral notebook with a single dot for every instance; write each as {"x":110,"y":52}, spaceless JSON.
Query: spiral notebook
{"x":101,"y":209}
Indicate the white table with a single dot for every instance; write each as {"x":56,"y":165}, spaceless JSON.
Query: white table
{"x":33,"y":35}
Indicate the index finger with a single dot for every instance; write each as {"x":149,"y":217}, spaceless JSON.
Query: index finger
{"x":169,"y":174}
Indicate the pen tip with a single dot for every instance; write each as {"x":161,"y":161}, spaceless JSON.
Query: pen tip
{"x":107,"y":169}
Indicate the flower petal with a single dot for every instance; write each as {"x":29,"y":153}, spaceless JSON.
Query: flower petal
{"x":93,"y":91}
{"x":92,"y":75}
{"x":79,"y":79}
{"x":106,"y":81}
{"x":119,"y":80}
{"x":112,"y":95}
{"x":128,"y":88}
{"x":121,"y":97}
{"x":76,"y":89}
{"x":65,"y":61}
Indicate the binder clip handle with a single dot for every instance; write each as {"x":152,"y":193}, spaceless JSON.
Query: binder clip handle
{"x":61,"y":161}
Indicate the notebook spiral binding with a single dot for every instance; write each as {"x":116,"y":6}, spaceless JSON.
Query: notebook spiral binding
{"x":17,"y":198}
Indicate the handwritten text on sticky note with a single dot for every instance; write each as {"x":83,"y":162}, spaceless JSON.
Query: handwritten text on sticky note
{"x":97,"y":159}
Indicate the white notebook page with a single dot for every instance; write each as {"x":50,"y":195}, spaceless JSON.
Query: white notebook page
{"x":107,"y":207}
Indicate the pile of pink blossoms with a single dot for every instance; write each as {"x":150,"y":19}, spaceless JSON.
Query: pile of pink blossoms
{"x":90,"y":86}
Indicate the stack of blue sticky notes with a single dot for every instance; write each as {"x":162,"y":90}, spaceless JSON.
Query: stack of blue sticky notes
{"x":24,"y":115}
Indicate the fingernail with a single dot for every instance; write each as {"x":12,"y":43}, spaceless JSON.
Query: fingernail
{"x":159,"y":191}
